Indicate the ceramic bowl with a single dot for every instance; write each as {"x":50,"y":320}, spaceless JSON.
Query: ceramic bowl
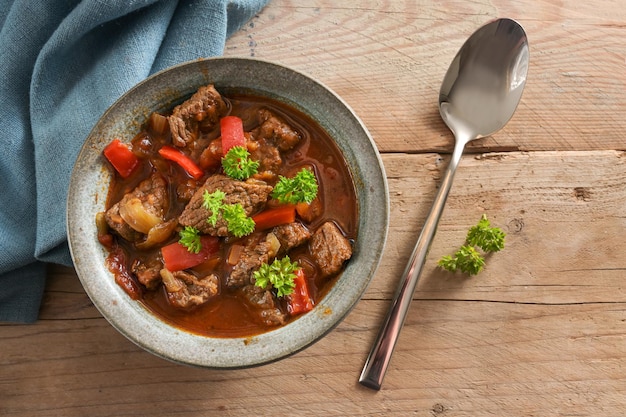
{"x":90,"y":180}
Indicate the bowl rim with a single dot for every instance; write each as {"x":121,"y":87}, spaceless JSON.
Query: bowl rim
{"x":89,"y":184}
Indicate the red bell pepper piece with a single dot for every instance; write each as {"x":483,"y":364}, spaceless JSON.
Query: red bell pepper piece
{"x":274,"y":217}
{"x":299,"y":300}
{"x":122,"y":158}
{"x":183,"y":160}
{"x":231,"y":128}
{"x":176,"y":257}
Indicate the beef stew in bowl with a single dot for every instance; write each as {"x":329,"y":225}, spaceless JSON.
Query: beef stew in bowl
{"x":163,"y":307}
{"x":182,"y":258}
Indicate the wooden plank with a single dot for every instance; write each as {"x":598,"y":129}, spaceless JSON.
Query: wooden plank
{"x":462,"y":357}
{"x":563,"y":213}
{"x":387,"y":61}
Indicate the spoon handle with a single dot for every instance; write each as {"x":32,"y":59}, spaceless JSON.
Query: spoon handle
{"x":378,"y":360}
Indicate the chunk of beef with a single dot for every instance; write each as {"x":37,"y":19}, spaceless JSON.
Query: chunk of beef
{"x":152,"y":193}
{"x":185,"y":290}
{"x":211,"y":155}
{"x":205,"y":106}
{"x":330,"y":248}
{"x":277,"y":130}
{"x":268,"y":140}
{"x":264,"y":301}
{"x":187,"y":189}
{"x":148,"y":271}
{"x":119,"y":226}
{"x":258,"y":249}
{"x":291,"y":235}
{"x":266,"y":154}
{"x":251,"y":194}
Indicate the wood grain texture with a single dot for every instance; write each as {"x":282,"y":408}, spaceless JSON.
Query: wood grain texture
{"x":540,"y":332}
{"x":387,"y":60}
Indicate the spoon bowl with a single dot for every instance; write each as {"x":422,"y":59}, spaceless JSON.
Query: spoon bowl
{"x":485,"y":80}
{"x":478,"y":96}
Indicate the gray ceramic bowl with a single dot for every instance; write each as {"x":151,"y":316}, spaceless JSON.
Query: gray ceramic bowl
{"x":88,"y":191}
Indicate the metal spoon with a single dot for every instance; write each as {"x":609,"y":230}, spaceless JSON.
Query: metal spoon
{"x":478,"y":96}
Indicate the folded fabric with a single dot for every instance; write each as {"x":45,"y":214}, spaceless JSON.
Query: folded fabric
{"x":62,"y":63}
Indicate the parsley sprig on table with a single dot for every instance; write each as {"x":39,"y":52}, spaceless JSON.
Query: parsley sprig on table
{"x":468,"y":259}
{"x":489,"y":239}
{"x":237,"y":222}
{"x":302,"y":188}
{"x":238,"y":165}
{"x":280,"y":274}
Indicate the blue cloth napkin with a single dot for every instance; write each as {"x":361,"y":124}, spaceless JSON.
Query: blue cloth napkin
{"x":62,"y":63}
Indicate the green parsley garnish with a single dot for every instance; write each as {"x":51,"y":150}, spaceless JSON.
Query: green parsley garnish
{"x":190,"y":238}
{"x":489,"y":239}
{"x":302,"y":188}
{"x":468,"y":259}
{"x":280,"y":274}
{"x":213,"y":202}
{"x":238,"y":165}
{"x":237,"y":222}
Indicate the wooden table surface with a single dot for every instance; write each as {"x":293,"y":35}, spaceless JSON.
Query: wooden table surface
{"x":540,"y":332}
